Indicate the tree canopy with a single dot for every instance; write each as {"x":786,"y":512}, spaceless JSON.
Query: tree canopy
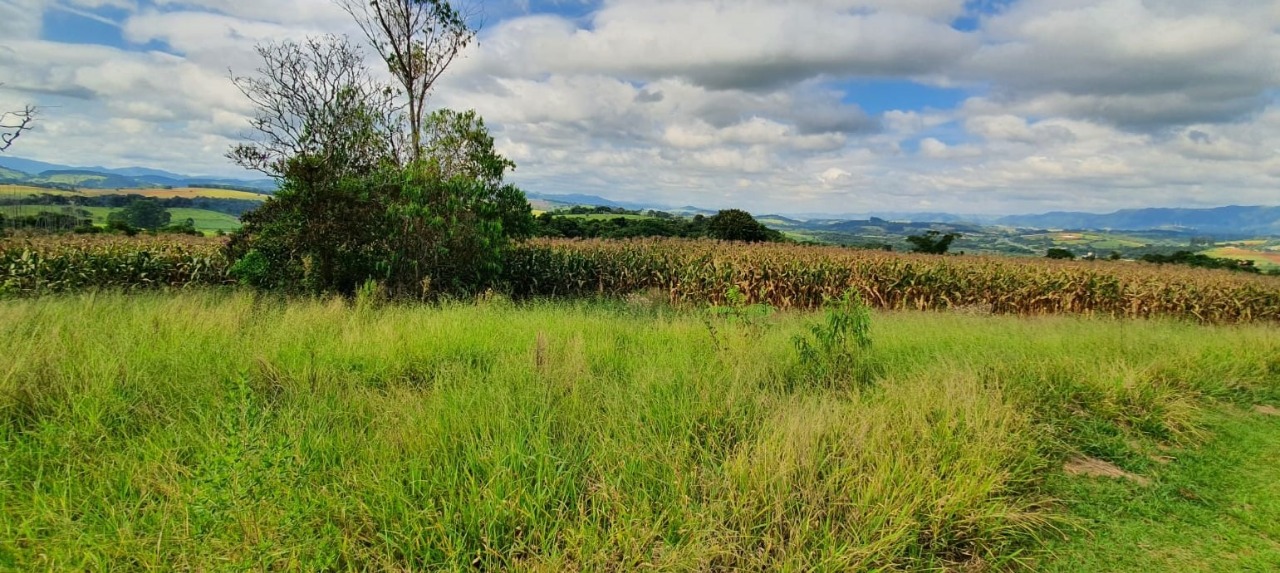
{"x":354,"y":205}
{"x":739,"y":225}
{"x":932,"y":242}
{"x":141,"y":214}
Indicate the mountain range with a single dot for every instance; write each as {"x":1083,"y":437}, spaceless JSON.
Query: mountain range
{"x":1231,"y":220}
{"x":15,"y":170}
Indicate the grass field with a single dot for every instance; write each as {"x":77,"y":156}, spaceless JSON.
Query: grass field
{"x":1213,"y":508}
{"x":205,"y":220}
{"x":216,"y":430}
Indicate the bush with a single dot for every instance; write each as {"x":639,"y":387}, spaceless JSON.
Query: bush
{"x":932,"y":242}
{"x":1058,"y":253}
{"x":834,"y":350}
{"x":1201,"y":260}
{"x":405,"y":227}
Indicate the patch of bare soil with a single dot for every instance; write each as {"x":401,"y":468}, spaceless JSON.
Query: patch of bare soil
{"x":1094,"y":467}
{"x":1266,"y":410}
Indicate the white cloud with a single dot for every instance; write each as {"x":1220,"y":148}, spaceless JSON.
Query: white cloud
{"x":1094,"y":104}
{"x":748,"y":44}
{"x":1131,"y":62}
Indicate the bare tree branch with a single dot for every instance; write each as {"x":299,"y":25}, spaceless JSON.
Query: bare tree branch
{"x":418,"y":39}
{"x":316,"y":99}
{"x":14,"y":123}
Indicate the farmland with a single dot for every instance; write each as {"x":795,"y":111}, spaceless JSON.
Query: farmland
{"x":637,"y":404}
{"x":204,"y":219}
{"x":159,"y":193}
{"x":782,"y":276}
{"x":211,"y":210}
{"x":787,"y":276}
{"x":1264,"y":255}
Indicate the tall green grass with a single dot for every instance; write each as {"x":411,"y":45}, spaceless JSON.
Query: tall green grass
{"x":224,"y":431}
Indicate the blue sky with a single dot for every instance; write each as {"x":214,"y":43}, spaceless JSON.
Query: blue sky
{"x":843,"y":106}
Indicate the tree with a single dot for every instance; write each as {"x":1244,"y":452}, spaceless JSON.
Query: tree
{"x":317,"y":99}
{"x":141,"y":214}
{"x":350,"y":208}
{"x":932,"y":242}
{"x":1060,"y":253}
{"x":14,"y":123}
{"x":418,"y":39}
{"x":458,"y":145}
{"x":737,"y":225}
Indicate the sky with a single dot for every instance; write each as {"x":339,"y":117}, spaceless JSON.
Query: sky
{"x":774,"y":106}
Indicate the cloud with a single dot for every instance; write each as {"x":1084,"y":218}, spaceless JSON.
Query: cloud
{"x":1133,"y":63}
{"x":1069,"y":104}
{"x":747,"y":44}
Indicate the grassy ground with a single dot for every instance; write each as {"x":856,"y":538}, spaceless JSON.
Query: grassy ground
{"x":206,"y":220}
{"x":219,"y":431}
{"x":1212,"y":508}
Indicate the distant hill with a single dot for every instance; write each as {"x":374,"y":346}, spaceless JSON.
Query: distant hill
{"x":85,"y":179}
{"x":11,"y":175}
{"x":16,"y":170}
{"x":1231,"y":220}
{"x":573,"y":199}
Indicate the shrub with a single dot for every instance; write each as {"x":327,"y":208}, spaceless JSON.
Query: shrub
{"x":833,"y":351}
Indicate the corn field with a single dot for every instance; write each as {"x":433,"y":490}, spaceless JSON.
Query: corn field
{"x":704,"y":272}
{"x":57,"y":263}
{"x":790,"y":276}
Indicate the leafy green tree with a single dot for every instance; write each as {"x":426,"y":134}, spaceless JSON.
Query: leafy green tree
{"x":932,"y":242}
{"x":351,"y":208}
{"x":738,"y":225}
{"x":141,"y":214}
{"x":1060,"y":253}
{"x":458,"y":145}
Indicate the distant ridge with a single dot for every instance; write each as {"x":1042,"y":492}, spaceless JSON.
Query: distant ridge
{"x":1230,"y":220}
{"x":16,"y":170}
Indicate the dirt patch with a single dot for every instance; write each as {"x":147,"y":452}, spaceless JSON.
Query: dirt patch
{"x":1094,"y":467}
{"x":1266,"y":410}
{"x":1162,"y":460}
